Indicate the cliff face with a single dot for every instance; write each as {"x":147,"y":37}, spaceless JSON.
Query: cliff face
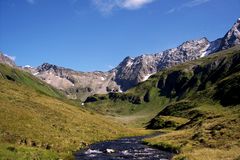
{"x":232,"y":37}
{"x":134,"y":70}
{"x":76,"y":84}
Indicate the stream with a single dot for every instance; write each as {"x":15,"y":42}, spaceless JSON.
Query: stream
{"x":130,"y":148}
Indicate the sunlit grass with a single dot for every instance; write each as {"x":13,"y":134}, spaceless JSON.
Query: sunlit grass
{"x":39,"y":125}
{"x":216,"y":138}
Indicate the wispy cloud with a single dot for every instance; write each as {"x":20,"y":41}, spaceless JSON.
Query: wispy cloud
{"x":106,"y":6}
{"x":110,"y":66}
{"x":10,"y":57}
{"x":194,"y":3}
{"x":171,"y":10}
{"x":31,"y":1}
{"x":134,"y":4}
{"x":189,"y":4}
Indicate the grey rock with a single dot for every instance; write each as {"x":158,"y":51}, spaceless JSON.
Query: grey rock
{"x":131,"y":71}
{"x":74,"y":83}
{"x":232,"y":37}
{"x":4,"y":59}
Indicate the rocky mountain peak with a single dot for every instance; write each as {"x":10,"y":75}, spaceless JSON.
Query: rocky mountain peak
{"x":127,"y":62}
{"x":131,"y":71}
{"x":232,"y":37}
{"x":46,"y":67}
{"x":7,"y":60}
{"x":202,"y":42}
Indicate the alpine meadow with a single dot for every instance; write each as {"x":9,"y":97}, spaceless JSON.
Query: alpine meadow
{"x":65,"y":93}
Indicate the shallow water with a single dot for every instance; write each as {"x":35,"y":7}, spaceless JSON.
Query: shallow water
{"x":129,"y":148}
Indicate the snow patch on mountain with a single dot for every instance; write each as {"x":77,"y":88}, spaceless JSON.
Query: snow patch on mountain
{"x":27,"y":66}
{"x":129,"y":64}
{"x":36,"y":73}
{"x":204,"y":51}
{"x":147,"y":76}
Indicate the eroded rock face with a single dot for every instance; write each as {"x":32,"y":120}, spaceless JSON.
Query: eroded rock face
{"x":131,"y":71}
{"x":7,"y":60}
{"x":232,"y":37}
{"x":76,"y":84}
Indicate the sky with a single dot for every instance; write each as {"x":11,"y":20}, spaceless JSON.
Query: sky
{"x":90,"y":35}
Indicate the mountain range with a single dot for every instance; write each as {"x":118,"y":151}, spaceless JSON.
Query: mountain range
{"x":131,"y":71}
{"x":196,"y":104}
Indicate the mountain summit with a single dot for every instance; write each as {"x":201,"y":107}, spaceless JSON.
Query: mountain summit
{"x":232,"y":37}
{"x":134,"y":70}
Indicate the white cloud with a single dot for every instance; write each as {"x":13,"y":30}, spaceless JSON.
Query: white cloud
{"x":171,"y":11}
{"x":135,"y":4}
{"x":106,"y":6}
{"x":31,"y":1}
{"x":13,"y":58}
{"x":194,"y":3}
{"x":189,"y":4}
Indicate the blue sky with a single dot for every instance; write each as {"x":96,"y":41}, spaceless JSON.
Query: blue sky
{"x":89,"y":35}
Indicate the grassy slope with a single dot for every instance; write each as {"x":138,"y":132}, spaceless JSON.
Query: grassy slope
{"x":132,"y":115}
{"x":36,"y":124}
{"x":213,"y":131}
{"x":25,"y":78}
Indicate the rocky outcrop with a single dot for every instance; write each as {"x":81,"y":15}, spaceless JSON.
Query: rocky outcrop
{"x":232,"y":37}
{"x":74,"y":83}
{"x":7,"y":60}
{"x":131,"y":71}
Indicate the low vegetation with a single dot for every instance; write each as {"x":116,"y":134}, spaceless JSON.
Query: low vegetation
{"x":21,"y":77}
{"x":215,"y":133}
{"x":36,"y":123}
{"x":130,"y":114}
